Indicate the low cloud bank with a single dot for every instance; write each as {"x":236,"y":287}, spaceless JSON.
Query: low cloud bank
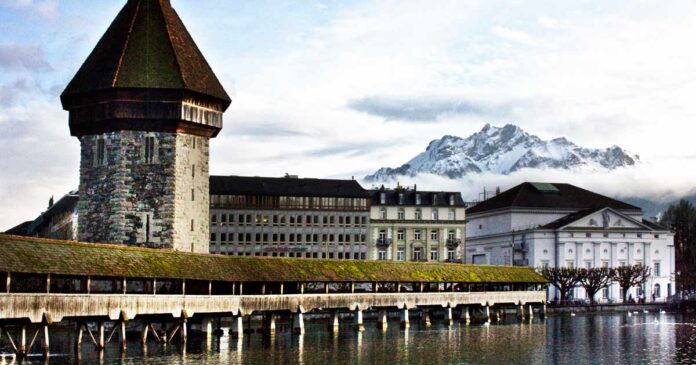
{"x":661,"y":183}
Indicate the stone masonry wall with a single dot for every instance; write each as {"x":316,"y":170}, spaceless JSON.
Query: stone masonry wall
{"x":121,"y":196}
{"x":192,"y":197}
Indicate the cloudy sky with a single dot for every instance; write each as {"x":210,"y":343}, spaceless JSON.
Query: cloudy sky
{"x":341,"y":88}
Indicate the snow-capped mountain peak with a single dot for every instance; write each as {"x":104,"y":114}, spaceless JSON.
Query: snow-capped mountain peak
{"x":504,"y":150}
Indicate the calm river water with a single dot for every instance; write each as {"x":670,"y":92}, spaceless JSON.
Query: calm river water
{"x":582,"y":339}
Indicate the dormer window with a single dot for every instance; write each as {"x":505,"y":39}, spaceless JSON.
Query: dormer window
{"x":382,"y":198}
{"x":434,"y":199}
{"x":451,"y":199}
{"x":418,"y":199}
{"x":401,"y":198}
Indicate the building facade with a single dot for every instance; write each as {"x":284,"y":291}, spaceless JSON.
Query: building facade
{"x":288,"y":217}
{"x":59,"y":221}
{"x":411,"y":225}
{"x":144,"y":106}
{"x":555,"y":225}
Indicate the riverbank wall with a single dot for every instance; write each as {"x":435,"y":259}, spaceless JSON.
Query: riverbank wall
{"x":610,"y":308}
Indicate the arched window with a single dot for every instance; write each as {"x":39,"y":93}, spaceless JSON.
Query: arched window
{"x":434,"y":215}
{"x":402,"y":214}
{"x":382,"y":213}
{"x":452,"y":214}
{"x":419,"y":215}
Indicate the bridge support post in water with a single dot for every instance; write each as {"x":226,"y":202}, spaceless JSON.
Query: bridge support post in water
{"x":382,"y":320}
{"x":531,"y":312}
{"x":487,"y":313}
{"x":122,"y":333}
{"x":543,"y":311}
{"x":269,"y":323}
{"x":520,"y":311}
{"x":144,"y":333}
{"x":45,"y":344}
{"x":425,"y":313}
{"x":465,"y":314}
{"x":78,"y":337}
{"x":21,"y":350}
{"x":359,"y":324}
{"x":404,"y":318}
{"x":184,"y":330}
{"x":100,"y":342}
{"x":207,"y":327}
{"x":237,"y":328}
{"x":335,"y":324}
{"x":298,"y":323}
{"x":448,"y":316}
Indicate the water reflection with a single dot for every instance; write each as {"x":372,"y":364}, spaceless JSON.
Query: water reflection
{"x":583,"y":339}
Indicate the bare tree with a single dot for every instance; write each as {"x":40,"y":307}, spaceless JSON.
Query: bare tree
{"x":629,"y":276}
{"x":595,"y":279}
{"x":681,"y":217}
{"x":562,"y":278}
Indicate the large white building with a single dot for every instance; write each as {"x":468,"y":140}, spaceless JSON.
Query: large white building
{"x":554,"y":225}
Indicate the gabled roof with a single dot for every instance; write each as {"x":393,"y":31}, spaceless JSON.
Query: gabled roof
{"x":147,"y":46}
{"x":572,"y":218}
{"x":565,"y":196}
{"x":285,"y":186}
{"x":427,"y":198}
{"x":21,"y":229}
{"x":42,"y":256}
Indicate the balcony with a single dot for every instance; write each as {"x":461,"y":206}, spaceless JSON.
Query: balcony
{"x":519,"y":246}
{"x":383,"y":242}
{"x":453,"y":243}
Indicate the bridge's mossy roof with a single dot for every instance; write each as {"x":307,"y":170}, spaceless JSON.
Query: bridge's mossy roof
{"x":34,"y":255}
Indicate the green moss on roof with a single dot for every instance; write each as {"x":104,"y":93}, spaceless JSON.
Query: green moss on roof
{"x":33,"y":255}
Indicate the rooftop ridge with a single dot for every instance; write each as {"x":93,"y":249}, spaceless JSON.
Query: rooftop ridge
{"x":147,"y":46}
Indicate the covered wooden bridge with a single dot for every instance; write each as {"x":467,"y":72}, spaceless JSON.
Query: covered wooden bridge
{"x":47,"y":281}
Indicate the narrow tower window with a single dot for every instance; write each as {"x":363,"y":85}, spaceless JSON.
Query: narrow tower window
{"x":193,"y":195}
{"x":149,"y":149}
{"x":147,"y":228}
{"x":193,"y":171}
{"x":101,"y":152}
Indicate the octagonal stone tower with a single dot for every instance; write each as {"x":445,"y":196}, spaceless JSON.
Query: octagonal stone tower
{"x":144,"y":106}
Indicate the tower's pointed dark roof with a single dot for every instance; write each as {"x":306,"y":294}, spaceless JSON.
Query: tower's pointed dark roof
{"x":146,"y":46}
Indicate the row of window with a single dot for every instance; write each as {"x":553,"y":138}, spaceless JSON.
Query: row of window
{"x":417,"y":234}
{"x":291,"y":220}
{"x":291,"y":238}
{"x":148,"y":152}
{"x":418,"y":214}
{"x":608,"y":235}
{"x":402,"y":198}
{"x":605,"y":264}
{"x":417,"y":255}
{"x":200,"y":115}
{"x":307,"y":255}
{"x":288,"y":202}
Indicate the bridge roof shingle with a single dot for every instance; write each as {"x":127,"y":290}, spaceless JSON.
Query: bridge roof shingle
{"x":34,"y":255}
